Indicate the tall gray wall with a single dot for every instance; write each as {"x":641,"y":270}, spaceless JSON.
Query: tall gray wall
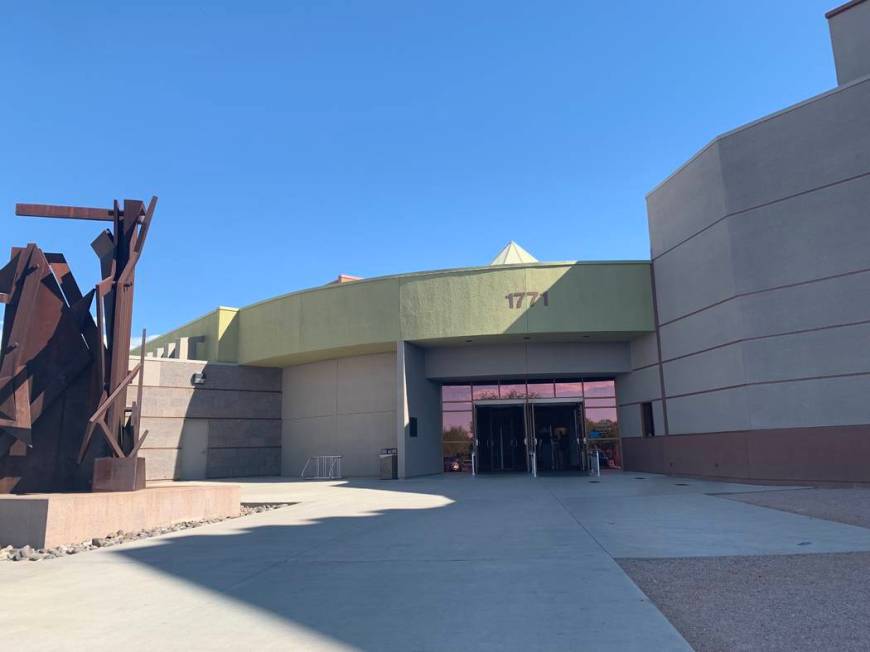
{"x":761,"y":260}
{"x":339,"y":407}
{"x":640,"y":386}
{"x":230,"y":426}
{"x":850,"y":37}
{"x":761,"y":255}
{"x":420,"y":398}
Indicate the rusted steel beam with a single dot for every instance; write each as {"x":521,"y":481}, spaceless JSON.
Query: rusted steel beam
{"x":108,"y":436}
{"x":21,"y":419}
{"x":114,"y":395}
{"x":64,"y":277}
{"x":104,"y":246}
{"x":137,"y":418}
{"x":64,"y":212}
{"x":8,"y":273}
{"x":146,"y":224}
{"x":58,"y":367}
{"x":101,"y":362}
{"x":138,"y":445}
{"x":104,"y":430}
{"x":122,"y":308}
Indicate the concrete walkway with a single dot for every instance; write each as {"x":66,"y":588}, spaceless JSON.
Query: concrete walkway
{"x":439,"y":563}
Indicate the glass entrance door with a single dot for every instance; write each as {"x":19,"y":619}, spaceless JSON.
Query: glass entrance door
{"x":533,"y":436}
{"x":500,"y":439}
{"x":537,"y":435}
{"x":558,"y":436}
{"x":531,"y":440}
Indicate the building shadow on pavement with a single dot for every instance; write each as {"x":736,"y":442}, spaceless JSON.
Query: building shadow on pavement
{"x":438,"y":567}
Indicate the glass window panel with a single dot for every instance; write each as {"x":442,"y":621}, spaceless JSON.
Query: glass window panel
{"x":463,"y":406}
{"x":609,"y":453}
{"x":595,"y":388}
{"x":512,"y":390}
{"x":540,"y":390}
{"x":457,"y":457}
{"x":601,"y":423}
{"x":569,"y":389}
{"x":600,"y":402}
{"x":456,"y":426}
{"x":456,"y":393}
{"x":485,"y":392}
{"x":456,"y":447}
{"x":457,"y":440}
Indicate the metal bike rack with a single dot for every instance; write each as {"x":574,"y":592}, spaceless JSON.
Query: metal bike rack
{"x":323,"y":467}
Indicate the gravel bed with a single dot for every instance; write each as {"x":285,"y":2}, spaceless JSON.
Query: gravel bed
{"x":27,"y":553}
{"x":850,"y":506}
{"x":762,"y":604}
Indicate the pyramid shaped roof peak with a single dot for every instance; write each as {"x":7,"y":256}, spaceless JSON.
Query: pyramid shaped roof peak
{"x":511,"y":254}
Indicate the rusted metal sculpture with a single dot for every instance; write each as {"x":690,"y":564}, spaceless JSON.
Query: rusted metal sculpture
{"x":63,"y":377}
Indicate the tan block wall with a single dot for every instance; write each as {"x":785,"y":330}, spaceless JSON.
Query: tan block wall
{"x":230,"y":426}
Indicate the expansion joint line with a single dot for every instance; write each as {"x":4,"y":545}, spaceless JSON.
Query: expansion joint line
{"x":580,"y":523}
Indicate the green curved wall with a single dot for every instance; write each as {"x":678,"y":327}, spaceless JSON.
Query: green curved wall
{"x":610,"y":300}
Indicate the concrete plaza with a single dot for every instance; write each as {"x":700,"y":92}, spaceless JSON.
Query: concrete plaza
{"x":434,"y":563}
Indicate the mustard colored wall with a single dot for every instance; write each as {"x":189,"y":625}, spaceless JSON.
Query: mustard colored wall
{"x":582,"y":298}
{"x":610,"y":300}
{"x":220,"y":329}
{"x":361,"y":314}
{"x":228,"y":334}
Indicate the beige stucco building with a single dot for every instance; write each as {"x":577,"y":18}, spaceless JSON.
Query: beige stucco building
{"x":740,"y":349}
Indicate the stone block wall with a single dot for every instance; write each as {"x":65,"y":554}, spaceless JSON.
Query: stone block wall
{"x":228,"y":426}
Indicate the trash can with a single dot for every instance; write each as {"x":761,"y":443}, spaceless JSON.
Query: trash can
{"x":389,"y":463}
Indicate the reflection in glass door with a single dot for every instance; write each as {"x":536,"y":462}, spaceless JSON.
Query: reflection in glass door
{"x":558,"y":440}
{"x":499,"y":443}
{"x":544,"y":439}
{"x":531,"y":441}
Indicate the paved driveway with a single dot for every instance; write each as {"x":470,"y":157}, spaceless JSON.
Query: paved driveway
{"x":446,"y":562}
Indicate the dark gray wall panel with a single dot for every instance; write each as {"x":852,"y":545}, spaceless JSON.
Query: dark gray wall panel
{"x":690,"y":200}
{"x":824,"y":402}
{"x":718,"y":411}
{"x":821,"y":141}
{"x":714,"y":326}
{"x":644,"y":351}
{"x":722,"y":367}
{"x":642,"y":385}
{"x":420,"y":398}
{"x":849,"y":36}
{"x":696,"y":274}
{"x":833,"y":351}
{"x":822,"y":233}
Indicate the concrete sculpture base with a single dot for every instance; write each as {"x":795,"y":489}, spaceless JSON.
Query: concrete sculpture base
{"x":48,"y":520}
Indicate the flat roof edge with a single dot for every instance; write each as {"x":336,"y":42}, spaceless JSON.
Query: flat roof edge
{"x":844,"y":7}
{"x":448,"y":270}
{"x":749,"y":125}
{"x":178,"y":328}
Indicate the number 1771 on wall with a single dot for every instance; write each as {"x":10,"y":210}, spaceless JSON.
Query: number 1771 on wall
{"x":515,"y":299}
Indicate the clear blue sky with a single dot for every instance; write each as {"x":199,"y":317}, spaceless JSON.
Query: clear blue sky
{"x":291,"y":141}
